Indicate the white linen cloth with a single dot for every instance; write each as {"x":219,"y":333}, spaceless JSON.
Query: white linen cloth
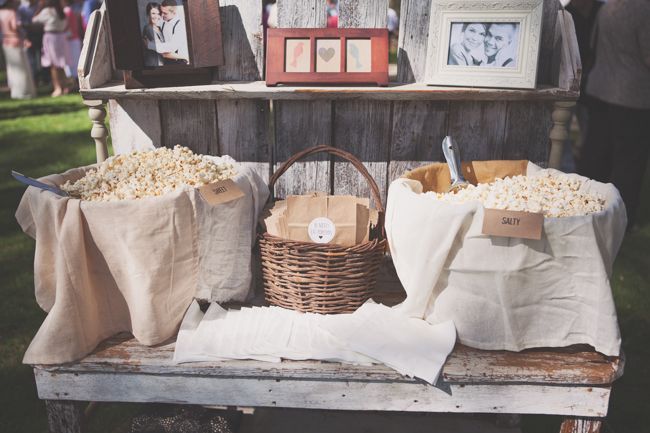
{"x":101,"y":268}
{"x":506,"y":293}
{"x":373,"y":334}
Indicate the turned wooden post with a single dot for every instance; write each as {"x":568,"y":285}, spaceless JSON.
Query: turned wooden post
{"x":581,"y":425}
{"x":64,"y":416}
{"x":562,"y":114}
{"x":99,"y":133}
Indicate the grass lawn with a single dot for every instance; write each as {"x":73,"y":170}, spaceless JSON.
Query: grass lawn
{"x":46,"y":135}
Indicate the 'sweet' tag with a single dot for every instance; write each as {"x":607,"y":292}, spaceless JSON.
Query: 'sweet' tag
{"x":220,"y":192}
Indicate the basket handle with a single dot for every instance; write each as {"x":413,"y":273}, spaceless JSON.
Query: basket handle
{"x":374,"y":189}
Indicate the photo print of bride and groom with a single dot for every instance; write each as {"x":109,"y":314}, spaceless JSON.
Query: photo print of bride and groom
{"x":484,"y":44}
{"x":164,"y":33}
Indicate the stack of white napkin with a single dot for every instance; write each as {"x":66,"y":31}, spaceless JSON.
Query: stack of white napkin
{"x":373,"y":334}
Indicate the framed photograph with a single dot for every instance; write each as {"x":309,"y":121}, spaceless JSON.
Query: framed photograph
{"x":165,"y":42}
{"x":484,"y":44}
{"x":327,"y":56}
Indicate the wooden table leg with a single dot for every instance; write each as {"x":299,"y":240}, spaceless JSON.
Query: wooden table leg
{"x":99,"y":133}
{"x":562,"y":113}
{"x":64,"y":416}
{"x":581,"y":425}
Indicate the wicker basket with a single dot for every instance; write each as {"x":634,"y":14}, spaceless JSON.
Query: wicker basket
{"x":321,"y":278}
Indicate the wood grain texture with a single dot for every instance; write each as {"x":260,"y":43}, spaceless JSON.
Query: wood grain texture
{"x":243,"y":130}
{"x":418,"y":130}
{"x":574,"y":365}
{"x":302,"y":124}
{"x":412,"y":43}
{"x":362,"y":128}
{"x":242,"y":38}
{"x":397,"y":92}
{"x":189,"y":123}
{"x":478,"y":128}
{"x":570,"y":65}
{"x":135,"y":125}
{"x":299,"y":125}
{"x":527,"y":132}
{"x":95,"y":62}
{"x":581,"y":425}
{"x":547,"y":41}
{"x":325,"y":394}
{"x":302,"y":14}
{"x":205,"y":33}
{"x":64,"y":416}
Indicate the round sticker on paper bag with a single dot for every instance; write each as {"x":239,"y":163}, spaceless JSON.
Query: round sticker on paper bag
{"x":321,"y":230}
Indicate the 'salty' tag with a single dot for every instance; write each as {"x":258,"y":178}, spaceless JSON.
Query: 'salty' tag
{"x":513,"y":224}
{"x":221,"y":192}
{"x":321,"y":230}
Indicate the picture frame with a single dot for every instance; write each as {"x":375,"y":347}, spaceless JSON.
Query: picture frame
{"x":484,"y":44}
{"x":165,"y":42}
{"x":327,"y":56}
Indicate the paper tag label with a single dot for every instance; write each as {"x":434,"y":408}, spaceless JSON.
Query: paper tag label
{"x":513,"y":224}
{"x":321,"y":230}
{"x":220,"y":192}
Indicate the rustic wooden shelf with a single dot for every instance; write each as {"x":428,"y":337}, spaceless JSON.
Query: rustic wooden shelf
{"x":395,"y":91}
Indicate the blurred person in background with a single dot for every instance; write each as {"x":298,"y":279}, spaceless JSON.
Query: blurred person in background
{"x":332,"y":13}
{"x":34,"y":34}
{"x":74,"y":40}
{"x":618,"y":101}
{"x":87,"y":8}
{"x":19,"y":76}
{"x":584,"y":13}
{"x":56,"y":49}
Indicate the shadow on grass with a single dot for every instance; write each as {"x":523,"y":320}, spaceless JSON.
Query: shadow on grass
{"x":37,"y":109}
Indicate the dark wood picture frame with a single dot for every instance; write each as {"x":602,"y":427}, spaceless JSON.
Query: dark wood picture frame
{"x":203,"y":21}
{"x":276,"y":54}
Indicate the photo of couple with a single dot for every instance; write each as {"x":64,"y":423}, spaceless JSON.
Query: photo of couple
{"x":483,"y":44}
{"x":164,"y":33}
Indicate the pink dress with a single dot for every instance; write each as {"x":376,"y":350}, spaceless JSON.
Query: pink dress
{"x":56,"y":49}
{"x":19,"y":76}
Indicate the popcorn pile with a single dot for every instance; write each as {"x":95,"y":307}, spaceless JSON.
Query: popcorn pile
{"x":553,"y":196}
{"x":144,"y":174}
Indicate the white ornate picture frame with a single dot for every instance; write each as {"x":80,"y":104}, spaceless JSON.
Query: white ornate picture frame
{"x":523,"y":18}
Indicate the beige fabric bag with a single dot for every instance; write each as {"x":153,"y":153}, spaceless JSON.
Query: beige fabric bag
{"x":101,"y":268}
{"x":505,"y":293}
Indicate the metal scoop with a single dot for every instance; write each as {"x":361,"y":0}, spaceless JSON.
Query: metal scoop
{"x":452,"y":155}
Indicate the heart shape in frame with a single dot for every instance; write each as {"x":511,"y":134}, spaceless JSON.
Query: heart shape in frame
{"x":326,"y":53}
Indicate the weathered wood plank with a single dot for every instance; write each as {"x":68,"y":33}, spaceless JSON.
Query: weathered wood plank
{"x":244,"y":134}
{"x":64,"y":416}
{"x":325,"y":394}
{"x":581,"y":425}
{"x":242,"y":38}
{"x":547,"y":41}
{"x":418,"y":130}
{"x":302,"y":124}
{"x":95,"y":64}
{"x":564,"y":366}
{"x":527,"y":132}
{"x":478,"y":128}
{"x":298,"y":125}
{"x":189,"y":123}
{"x":362,"y":128}
{"x":395,"y":91}
{"x":570,"y":64}
{"x":135,"y":124}
{"x":413,"y":38}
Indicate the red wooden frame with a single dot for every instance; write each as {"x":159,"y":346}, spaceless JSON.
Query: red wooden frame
{"x":275,"y":57}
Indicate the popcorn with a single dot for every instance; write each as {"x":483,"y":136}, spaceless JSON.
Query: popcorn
{"x":553,"y":196}
{"x":145,"y":174}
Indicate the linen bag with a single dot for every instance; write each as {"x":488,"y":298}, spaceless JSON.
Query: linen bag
{"x":505,"y":293}
{"x":101,"y":268}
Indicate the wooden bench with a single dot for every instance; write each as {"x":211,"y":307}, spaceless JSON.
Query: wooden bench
{"x":390,"y":129}
{"x":573,"y":382}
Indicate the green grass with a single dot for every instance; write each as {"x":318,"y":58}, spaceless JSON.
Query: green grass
{"x":47,"y":135}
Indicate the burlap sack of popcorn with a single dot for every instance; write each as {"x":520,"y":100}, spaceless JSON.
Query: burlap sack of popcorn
{"x":505,"y":293}
{"x":101,"y":268}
